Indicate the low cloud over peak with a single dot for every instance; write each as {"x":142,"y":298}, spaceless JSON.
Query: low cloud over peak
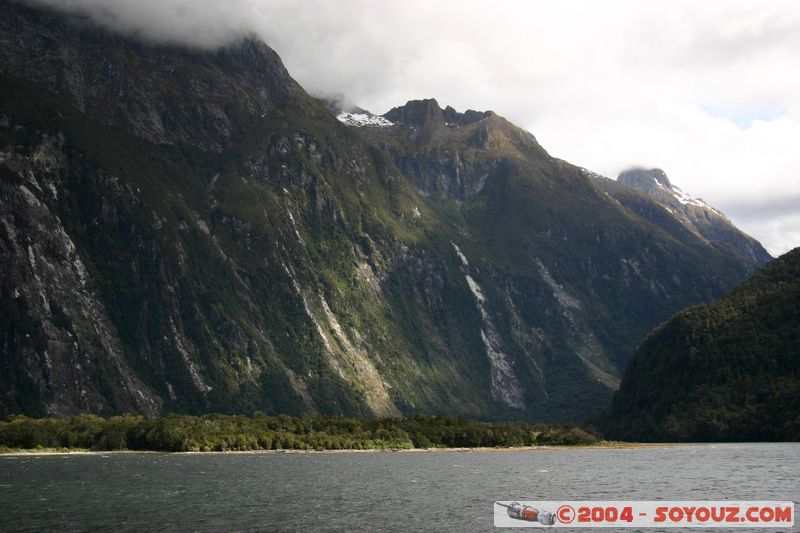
{"x":204,"y":24}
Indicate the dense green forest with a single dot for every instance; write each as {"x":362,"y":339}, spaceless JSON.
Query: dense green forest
{"x":178,"y":433}
{"x":726,"y":371}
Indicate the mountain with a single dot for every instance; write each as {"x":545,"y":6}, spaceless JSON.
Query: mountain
{"x":724,"y":371}
{"x":704,"y":221}
{"x":189,"y":231}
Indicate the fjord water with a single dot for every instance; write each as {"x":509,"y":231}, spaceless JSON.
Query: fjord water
{"x":382,"y":491}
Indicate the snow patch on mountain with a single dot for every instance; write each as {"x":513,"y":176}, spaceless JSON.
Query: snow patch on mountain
{"x":684,"y":198}
{"x":591,"y":174}
{"x":364,"y":119}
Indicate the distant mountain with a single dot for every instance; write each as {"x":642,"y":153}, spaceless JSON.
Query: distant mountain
{"x":725,"y":371}
{"x":190,"y":231}
{"x":696,"y":215}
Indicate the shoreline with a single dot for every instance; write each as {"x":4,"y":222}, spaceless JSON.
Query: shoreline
{"x":610,"y":446}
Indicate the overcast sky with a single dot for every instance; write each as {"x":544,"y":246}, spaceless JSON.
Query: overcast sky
{"x":708,"y":91}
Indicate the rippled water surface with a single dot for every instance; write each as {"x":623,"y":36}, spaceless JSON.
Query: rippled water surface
{"x":425,"y":491}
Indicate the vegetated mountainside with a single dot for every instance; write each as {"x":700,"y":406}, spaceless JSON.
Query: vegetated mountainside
{"x":724,"y":371}
{"x":189,"y":231}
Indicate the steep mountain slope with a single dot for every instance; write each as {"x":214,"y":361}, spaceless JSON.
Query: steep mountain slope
{"x":185,"y":237}
{"x":190,"y":231}
{"x":576,"y":273}
{"x":729,"y":370}
{"x":698,"y":217}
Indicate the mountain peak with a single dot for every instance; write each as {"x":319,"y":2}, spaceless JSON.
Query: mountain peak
{"x":654,"y":182}
{"x":467,"y":117}
{"x":696,"y":215}
{"x":644,"y":178}
{"x":419,"y":113}
{"x":427,"y":112}
{"x":184,"y":97}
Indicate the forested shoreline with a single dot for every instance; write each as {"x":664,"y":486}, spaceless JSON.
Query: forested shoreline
{"x":214,"y":432}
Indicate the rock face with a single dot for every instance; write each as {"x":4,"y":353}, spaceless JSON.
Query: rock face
{"x":60,"y":340}
{"x":449,"y":154}
{"x":164,"y":95}
{"x":725,"y":371}
{"x":700,"y":218}
{"x":189,"y":231}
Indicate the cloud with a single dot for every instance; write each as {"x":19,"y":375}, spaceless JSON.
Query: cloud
{"x":196,"y":23}
{"x":708,"y":91}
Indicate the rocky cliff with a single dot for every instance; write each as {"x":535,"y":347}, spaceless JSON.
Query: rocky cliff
{"x":185,"y":230}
